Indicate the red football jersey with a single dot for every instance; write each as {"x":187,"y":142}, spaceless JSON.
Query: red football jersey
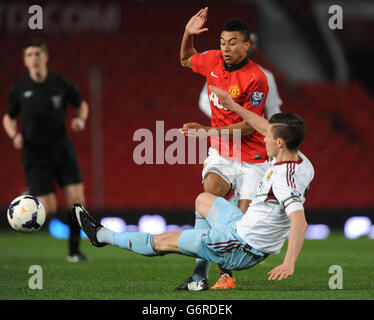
{"x":248,"y":86}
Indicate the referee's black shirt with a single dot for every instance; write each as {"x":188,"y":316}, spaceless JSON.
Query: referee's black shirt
{"x":43,"y":107}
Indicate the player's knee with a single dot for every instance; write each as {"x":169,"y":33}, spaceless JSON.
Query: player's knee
{"x":243,"y":205}
{"x":199,"y":202}
{"x":215,"y":186}
{"x":204,"y":202}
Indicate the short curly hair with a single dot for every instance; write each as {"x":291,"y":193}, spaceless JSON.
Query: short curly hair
{"x":236,"y":24}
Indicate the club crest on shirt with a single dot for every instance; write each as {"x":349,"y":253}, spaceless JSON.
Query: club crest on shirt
{"x":234,"y":91}
{"x":56,"y":101}
{"x":256,"y":98}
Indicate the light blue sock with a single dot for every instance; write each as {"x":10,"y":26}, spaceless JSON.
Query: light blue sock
{"x":105,"y":235}
{"x":138,"y":242}
{"x":202,"y":266}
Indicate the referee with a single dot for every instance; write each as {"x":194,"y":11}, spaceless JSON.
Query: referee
{"x":48,"y":155}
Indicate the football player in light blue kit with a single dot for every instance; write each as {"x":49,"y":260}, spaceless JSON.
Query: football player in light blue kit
{"x":236,"y":241}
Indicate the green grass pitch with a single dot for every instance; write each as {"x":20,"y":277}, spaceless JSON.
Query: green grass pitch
{"x":112,"y":273}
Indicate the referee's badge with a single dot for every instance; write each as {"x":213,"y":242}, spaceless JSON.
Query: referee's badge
{"x":56,"y":101}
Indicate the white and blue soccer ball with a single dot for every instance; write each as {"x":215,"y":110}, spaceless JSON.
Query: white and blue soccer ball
{"x":26,"y":214}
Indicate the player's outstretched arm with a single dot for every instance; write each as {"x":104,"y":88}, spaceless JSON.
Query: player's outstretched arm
{"x":260,"y":124}
{"x":295,"y":243}
{"x":194,"y":129}
{"x":79,"y":122}
{"x":194,"y":27}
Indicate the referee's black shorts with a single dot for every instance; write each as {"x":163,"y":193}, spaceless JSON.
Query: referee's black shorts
{"x":49,"y":164}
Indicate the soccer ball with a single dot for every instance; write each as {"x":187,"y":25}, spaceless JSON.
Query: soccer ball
{"x":26,"y":214}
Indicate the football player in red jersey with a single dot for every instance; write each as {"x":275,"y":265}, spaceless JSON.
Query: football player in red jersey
{"x":232,"y":163}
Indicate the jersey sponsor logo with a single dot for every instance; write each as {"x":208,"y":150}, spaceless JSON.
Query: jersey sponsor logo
{"x":256,"y":98}
{"x":28,"y":94}
{"x":214,"y":99}
{"x":56,"y":101}
{"x":213,"y":75}
{"x":234,"y":91}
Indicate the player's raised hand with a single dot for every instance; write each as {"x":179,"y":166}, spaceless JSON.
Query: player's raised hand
{"x":18,"y":141}
{"x":197,"y":22}
{"x":280,"y":272}
{"x":78,"y":124}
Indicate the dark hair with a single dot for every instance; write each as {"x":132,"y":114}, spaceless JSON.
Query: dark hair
{"x":235,"y":24}
{"x":290,"y":127}
{"x":35,"y":43}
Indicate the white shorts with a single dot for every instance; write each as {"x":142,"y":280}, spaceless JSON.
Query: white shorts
{"x":242,"y":176}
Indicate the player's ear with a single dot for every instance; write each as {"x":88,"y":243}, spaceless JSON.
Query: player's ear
{"x":248,"y":45}
{"x":280,"y":143}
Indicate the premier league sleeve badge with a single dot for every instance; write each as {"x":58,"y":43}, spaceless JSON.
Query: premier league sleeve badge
{"x":256,"y":98}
